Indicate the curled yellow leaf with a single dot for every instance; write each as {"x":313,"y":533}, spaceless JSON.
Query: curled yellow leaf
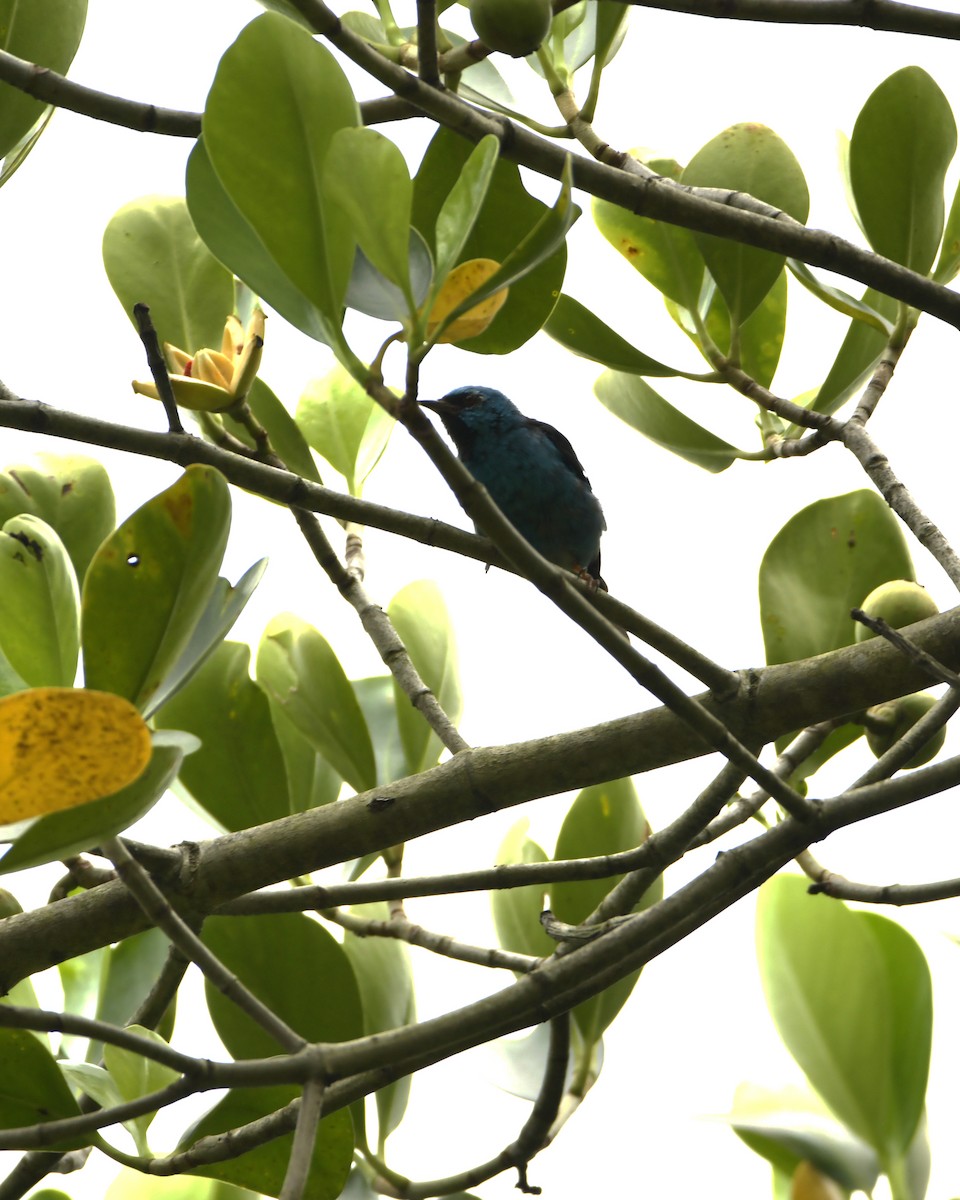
{"x":60,"y":747}
{"x":459,"y":284}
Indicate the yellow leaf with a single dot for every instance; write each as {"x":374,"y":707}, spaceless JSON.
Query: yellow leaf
{"x":60,"y":747}
{"x":458,"y":285}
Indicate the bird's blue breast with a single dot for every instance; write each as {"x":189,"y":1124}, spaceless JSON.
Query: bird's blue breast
{"x":551,"y":505}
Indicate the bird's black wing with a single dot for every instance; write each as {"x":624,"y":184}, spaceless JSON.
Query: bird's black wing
{"x":567,"y":452}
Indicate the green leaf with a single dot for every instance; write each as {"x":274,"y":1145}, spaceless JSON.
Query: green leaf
{"x":747,"y":158}
{"x":32,"y":1087}
{"x":516,"y":911}
{"x":81,"y":979}
{"x":420,"y":617}
{"x":72,"y":493}
{"x":760,"y":335}
{"x":578,"y":330}
{"x":858,"y":354}
{"x":294,"y":966}
{"x":580,"y":32}
{"x":162,"y":565}
{"x":519,"y":1063}
{"x":46,"y":32}
{"x":459,"y":211}
{"x":902,"y":143}
{"x":17,"y":155}
{"x":233,"y":240}
{"x":851,"y":996}
{"x":134,"y":1185}
{"x":262,"y":1170}
{"x":633,"y":400}
{"x":665,"y":255}
{"x":281,"y":91}
{"x":824,"y":561}
{"x":793,"y":1126}
{"x":385,"y":978}
{"x":285,"y":436}
{"x":370,"y":292}
{"x":344,"y":425}
{"x":226,"y":603}
{"x":153,"y":255}
{"x":948,"y":264}
{"x":379,"y":703}
{"x":366,"y":177}
{"x":137,"y":1076}
{"x":238,"y":775}
{"x":311,"y":781}
{"x":834,"y":742}
{"x":39,"y":604}
{"x":300,"y":671}
{"x":838,"y":299}
{"x":603,"y":819}
{"x":75,"y":829}
{"x":508,"y":214}
{"x":128,"y":972}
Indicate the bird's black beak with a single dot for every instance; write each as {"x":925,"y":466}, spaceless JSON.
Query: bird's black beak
{"x":438,"y":406}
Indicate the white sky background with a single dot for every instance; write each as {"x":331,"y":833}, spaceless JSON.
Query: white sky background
{"x":683,"y":547}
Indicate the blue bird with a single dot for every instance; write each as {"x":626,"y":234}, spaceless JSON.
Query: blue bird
{"x":532,"y":474}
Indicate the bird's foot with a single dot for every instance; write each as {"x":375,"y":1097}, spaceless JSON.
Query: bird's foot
{"x":591,"y":581}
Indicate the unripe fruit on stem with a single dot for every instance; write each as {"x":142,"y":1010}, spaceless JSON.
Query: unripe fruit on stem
{"x":899,"y":602}
{"x":515,"y":27}
{"x":887,"y":723}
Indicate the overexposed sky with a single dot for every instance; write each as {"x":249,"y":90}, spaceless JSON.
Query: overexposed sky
{"x":682,"y":546}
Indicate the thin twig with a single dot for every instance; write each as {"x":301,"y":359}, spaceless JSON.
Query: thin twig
{"x":920,"y":658}
{"x":304,"y":1140}
{"x":672,"y":843}
{"x":404,"y":930}
{"x":158,"y":367}
{"x":877,"y":466}
{"x":157,"y":908}
{"x":742,"y":809}
{"x":427,"y":42}
{"x":536,"y":1134}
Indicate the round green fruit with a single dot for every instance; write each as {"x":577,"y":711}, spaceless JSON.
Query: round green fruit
{"x":887,"y":723}
{"x":514,"y":27}
{"x":899,"y":602}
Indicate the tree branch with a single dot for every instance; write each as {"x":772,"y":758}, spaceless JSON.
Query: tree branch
{"x":889,"y":15}
{"x":650,"y":196}
{"x":771,"y":702}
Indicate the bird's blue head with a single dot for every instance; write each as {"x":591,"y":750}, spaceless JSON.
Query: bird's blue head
{"x":474,"y":411}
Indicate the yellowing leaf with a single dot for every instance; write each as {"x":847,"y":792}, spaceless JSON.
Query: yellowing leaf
{"x":459,"y":284}
{"x":60,"y":747}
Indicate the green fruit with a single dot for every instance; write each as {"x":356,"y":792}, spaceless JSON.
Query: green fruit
{"x":899,"y":602}
{"x":515,"y":27}
{"x":887,"y":723}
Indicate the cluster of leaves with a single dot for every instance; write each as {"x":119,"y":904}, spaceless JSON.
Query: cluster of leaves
{"x":731,"y":299}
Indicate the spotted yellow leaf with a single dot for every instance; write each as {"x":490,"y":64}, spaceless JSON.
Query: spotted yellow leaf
{"x":60,"y":747}
{"x":459,"y":284}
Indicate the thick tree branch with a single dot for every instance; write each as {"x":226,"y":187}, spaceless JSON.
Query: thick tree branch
{"x":771,"y":702}
{"x":889,"y":15}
